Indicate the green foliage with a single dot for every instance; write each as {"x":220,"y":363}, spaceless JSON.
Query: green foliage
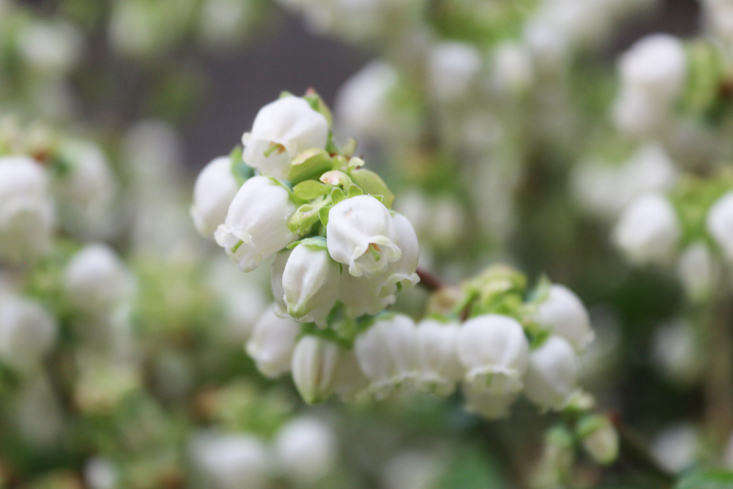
{"x":710,"y":479}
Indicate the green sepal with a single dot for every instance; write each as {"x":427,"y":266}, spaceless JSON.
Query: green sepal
{"x":306,"y":216}
{"x":313,"y":242}
{"x":309,"y":164}
{"x":589,"y":424}
{"x":284,"y":94}
{"x":317,"y":104}
{"x":372,"y":184}
{"x":309,"y":190}
{"x":241,"y":170}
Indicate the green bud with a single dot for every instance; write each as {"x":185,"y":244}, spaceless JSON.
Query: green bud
{"x":372,"y":184}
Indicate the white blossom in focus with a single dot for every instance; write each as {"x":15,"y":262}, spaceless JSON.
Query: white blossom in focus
{"x":552,"y":373}
{"x":272,"y":342}
{"x":361,"y":234}
{"x":565,"y":315}
{"x":720,"y":224}
{"x":314,"y":365}
{"x":26,"y":210}
{"x":494,"y":352}
{"x":306,"y":449}
{"x":648,"y":231}
{"x":388,"y":354}
{"x":281,"y":130}
{"x":214,"y":190}
{"x":256,"y":225}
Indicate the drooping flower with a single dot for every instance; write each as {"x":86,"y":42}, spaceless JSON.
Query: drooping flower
{"x":27,"y":332}
{"x":306,"y":449}
{"x":314,"y":365}
{"x":214,"y":190}
{"x":565,"y":315}
{"x":440,"y":367}
{"x":230,"y":461}
{"x":256,"y":225}
{"x":272,"y":343}
{"x":552,"y":373}
{"x":648,"y":230}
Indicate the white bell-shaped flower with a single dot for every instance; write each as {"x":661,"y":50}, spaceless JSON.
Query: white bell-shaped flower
{"x":26,"y":210}
{"x":486,"y":402}
{"x":281,"y":130}
{"x":453,"y":67}
{"x":564,"y":314}
{"x":272,"y":343}
{"x":314,"y":365}
{"x":648,"y":230}
{"x":401,"y":274}
{"x":350,"y":382}
{"x":414,"y":469}
{"x":361,"y":234}
{"x":230,"y":461}
{"x":676,"y":447}
{"x":720,"y":224}
{"x":95,"y":280}
{"x":256,"y":226}
{"x":306,"y":449}
{"x":552,"y":373}
{"x":27,"y":332}
{"x":365,"y":295}
{"x":440,"y":367}
{"x":697,"y":270}
{"x":101,"y":473}
{"x":214,"y":190}
{"x":494,"y":351}
{"x":310,"y":284}
{"x":388,"y":354}
{"x":655,"y":65}
{"x":50,"y":47}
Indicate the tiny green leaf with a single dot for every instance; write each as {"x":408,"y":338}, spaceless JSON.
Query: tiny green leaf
{"x":310,"y":189}
{"x":309,"y":164}
{"x":372,"y":184}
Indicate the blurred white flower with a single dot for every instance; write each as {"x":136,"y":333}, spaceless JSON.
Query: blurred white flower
{"x":719,"y":18}
{"x":310,"y":284}
{"x":676,"y":353}
{"x":697,"y":270}
{"x":272,"y":343}
{"x":601,"y":440}
{"x":648,"y":231}
{"x":388,"y":354}
{"x":27,"y":332}
{"x":306,"y":449}
{"x":513,"y":71}
{"x":214,"y":190}
{"x":314,"y":365}
{"x":362,"y":103}
{"x":26,"y":210}
{"x":224,"y":21}
{"x":230,"y":461}
{"x":350,"y":382}
{"x":281,"y":130}
{"x":494,"y":352}
{"x":37,"y":414}
{"x":256,"y":225}
{"x":564,"y":314}
{"x":486,"y":402}
{"x":413,"y":470}
{"x":676,"y":447}
{"x":552,"y":373}
{"x":101,"y":473}
{"x":50,"y":47}
{"x":96,"y":280}
{"x":453,"y":68}
{"x":655,"y":66}
{"x":720,"y":224}
{"x":361,"y":234}
{"x":440,"y":367}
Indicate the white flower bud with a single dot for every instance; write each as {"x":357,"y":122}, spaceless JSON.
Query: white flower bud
{"x":27,"y":332}
{"x":230,"y":461}
{"x":256,"y":226}
{"x":214,"y":190}
{"x":720,"y":224}
{"x":697,"y":270}
{"x":50,"y":47}
{"x":314,"y":365}
{"x":413,"y":470}
{"x":676,"y":352}
{"x":272,"y":343}
{"x":655,"y":65}
{"x":649,"y":169}
{"x":388,"y":354}
{"x":96,"y":280}
{"x":552,"y":373}
{"x":565,"y":315}
{"x":101,"y":473}
{"x":402,"y":272}
{"x":486,"y":402}
{"x":636,"y":114}
{"x":360,"y":233}
{"x":26,"y":210}
{"x":675,"y":448}
{"x":310,"y":284}
{"x":512,"y":70}
{"x":493,"y":350}
{"x":648,"y":231}
{"x":453,"y":67}
{"x":440,"y":367}
{"x":306,"y":449}
{"x":281,"y":130}
{"x":362,"y":102}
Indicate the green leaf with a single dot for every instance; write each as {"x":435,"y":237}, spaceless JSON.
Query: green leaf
{"x":241,"y":171}
{"x":710,"y":479}
{"x":310,"y":164}
{"x":372,"y":184}
{"x":310,"y":189}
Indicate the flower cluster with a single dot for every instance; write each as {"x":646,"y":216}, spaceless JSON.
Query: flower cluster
{"x":292,"y":196}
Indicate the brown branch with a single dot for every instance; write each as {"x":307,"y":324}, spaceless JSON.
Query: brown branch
{"x":428,"y":280}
